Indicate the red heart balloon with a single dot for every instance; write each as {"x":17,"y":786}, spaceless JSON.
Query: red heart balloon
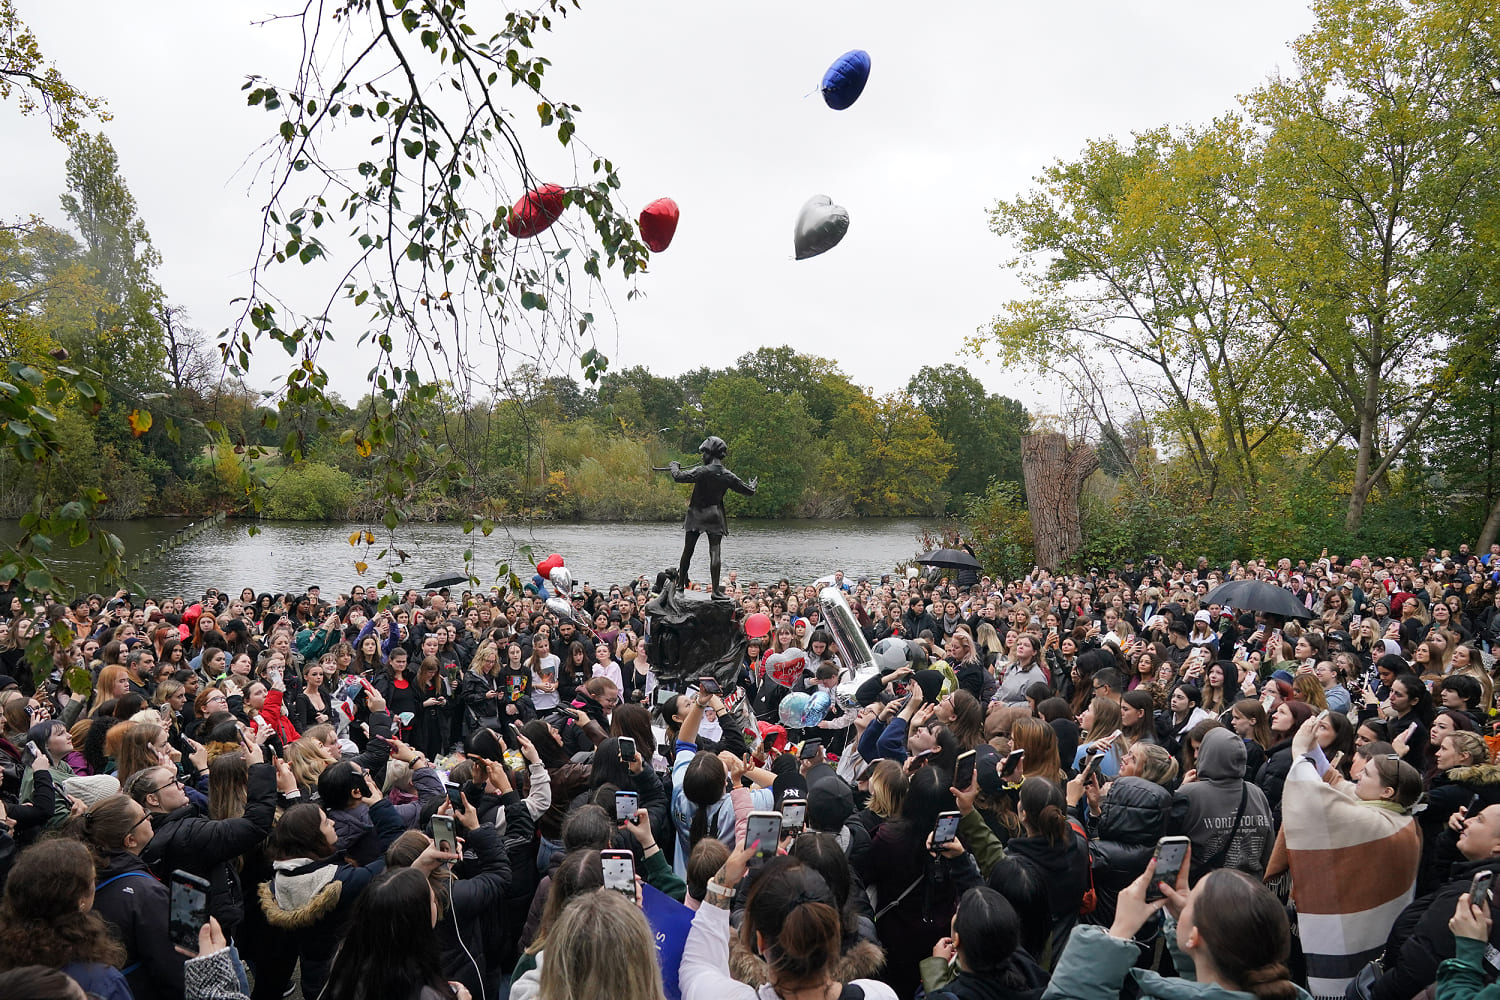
{"x":659,"y":224}
{"x":547,"y":565}
{"x":537,"y":209}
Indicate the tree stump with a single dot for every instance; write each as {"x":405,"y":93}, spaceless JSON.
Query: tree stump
{"x":1054,"y":472}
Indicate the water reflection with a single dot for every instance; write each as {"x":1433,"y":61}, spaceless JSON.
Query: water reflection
{"x":290,"y":555}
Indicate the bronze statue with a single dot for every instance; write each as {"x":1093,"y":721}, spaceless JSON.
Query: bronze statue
{"x":706,"y":506}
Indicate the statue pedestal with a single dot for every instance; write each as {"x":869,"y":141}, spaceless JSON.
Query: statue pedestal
{"x":692,"y":635}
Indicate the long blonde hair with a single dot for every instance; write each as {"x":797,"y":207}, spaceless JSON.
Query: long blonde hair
{"x":601,"y":946}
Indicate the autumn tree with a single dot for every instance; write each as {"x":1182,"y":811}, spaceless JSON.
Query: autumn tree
{"x":889,"y":459}
{"x":984,"y":429}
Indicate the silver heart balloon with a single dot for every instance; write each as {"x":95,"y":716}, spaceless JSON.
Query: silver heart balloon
{"x":820,"y":226}
{"x":562,"y":580}
{"x":561,"y":607}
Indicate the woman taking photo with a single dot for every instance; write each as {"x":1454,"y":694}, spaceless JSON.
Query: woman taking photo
{"x":1227,"y":933}
{"x":791,"y":920}
{"x":390,"y":951}
{"x":312,"y":707}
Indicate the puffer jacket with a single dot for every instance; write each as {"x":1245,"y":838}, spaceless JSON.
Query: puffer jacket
{"x":188,"y":840}
{"x":1132,"y":818}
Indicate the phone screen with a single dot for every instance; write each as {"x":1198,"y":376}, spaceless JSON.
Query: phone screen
{"x":1091,"y":765}
{"x":1171,"y":852}
{"x":793,"y":815}
{"x":188,"y":911}
{"x":810,"y":749}
{"x":708,"y":685}
{"x":443,"y":835}
{"x":946,"y":829}
{"x":626,"y":803}
{"x":766,"y":828}
{"x":619,"y":871}
{"x":1012,"y":762}
{"x":963,"y":770}
{"x":627,"y":748}
{"x":455,"y":794}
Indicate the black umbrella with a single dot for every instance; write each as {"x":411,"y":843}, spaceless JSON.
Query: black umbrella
{"x":949,"y":559}
{"x":1257,"y":595}
{"x":445,"y":581}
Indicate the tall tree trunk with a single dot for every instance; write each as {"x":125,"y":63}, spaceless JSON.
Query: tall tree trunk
{"x":1369,"y":411}
{"x":1491,"y":529}
{"x":1054,"y":473}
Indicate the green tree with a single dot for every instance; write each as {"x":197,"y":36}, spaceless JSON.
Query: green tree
{"x":825,"y":389}
{"x":769,"y":435}
{"x":984,"y":429}
{"x":888,"y":458}
{"x":1376,"y":171}
{"x":24,"y":73}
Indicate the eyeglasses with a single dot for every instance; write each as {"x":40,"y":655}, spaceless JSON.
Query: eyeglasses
{"x":174,"y":781}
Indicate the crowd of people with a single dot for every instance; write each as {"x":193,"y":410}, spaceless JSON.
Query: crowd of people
{"x":1066,"y":786}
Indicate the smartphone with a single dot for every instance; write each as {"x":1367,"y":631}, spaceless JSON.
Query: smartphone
{"x":455,"y":795}
{"x":619,"y":872}
{"x":1012,"y":761}
{"x":1473,"y":809}
{"x":709,"y":686}
{"x":188,"y":911}
{"x":793,"y":815}
{"x":443,"y":834}
{"x":1273,"y":641}
{"x":626,"y":804}
{"x":963,"y":770}
{"x":810,"y":750}
{"x":1323,"y":715}
{"x":1354,"y":621}
{"x":1170,"y":854}
{"x":1338,"y":759}
{"x":1090,"y":765}
{"x":627,"y":748}
{"x":766,"y":828}
{"x":1411,"y":729}
{"x":946,"y":829}
{"x":1479,"y":889}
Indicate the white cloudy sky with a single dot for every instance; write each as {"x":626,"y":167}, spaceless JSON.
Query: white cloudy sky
{"x":711,"y":104}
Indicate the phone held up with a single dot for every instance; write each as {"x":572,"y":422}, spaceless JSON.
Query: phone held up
{"x":946,"y":829}
{"x":766,"y":828}
{"x":626,"y":804}
{"x":1170,"y":854}
{"x":188,"y":911}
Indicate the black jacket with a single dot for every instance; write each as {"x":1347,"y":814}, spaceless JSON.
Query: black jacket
{"x":186,"y":839}
{"x":1420,"y":939}
{"x":1272,"y":776}
{"x":1021,"y":979}
{"x":476,"y":893}
{"x":1132,"y":818}
{"x":137,"y":903}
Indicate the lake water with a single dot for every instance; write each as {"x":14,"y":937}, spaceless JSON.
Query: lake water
{"x":291,"y":555}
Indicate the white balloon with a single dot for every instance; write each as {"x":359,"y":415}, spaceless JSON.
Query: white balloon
{"x":561,"y":607}
{"x":890,"y":654}
{"x":562,"y":580}
{"x":820,"y":226}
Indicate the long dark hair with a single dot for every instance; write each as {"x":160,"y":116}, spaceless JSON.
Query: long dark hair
{"x":1045,"y":811}
{"x":926,"y":796}
{"x":1421,"y":698}
{"x":989,"y":931}
{"x":792,"y":909}
{"x":608,"y":769}
{"x":40,"y":914}
{"x":390,"y":949}
{"x":703,"y":785}
{"x":548,"y":747}
{"x":1244,"y":928}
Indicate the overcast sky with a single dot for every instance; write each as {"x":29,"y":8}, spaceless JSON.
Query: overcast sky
{"x":713,"y":105}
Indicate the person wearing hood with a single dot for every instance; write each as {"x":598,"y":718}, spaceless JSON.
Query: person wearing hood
{"x":1226,"y":817}
{"x":184,"y":837}
{"x":313,"y":888}
{"x":982,"y":958}
{"x":1353,"y":854}
{"x":1421,"y":938}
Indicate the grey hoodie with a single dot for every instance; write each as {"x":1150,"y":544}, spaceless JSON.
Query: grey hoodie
{"x":1203,"y":810}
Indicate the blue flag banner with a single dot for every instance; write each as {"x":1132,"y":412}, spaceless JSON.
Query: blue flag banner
{"x":669,"y":922}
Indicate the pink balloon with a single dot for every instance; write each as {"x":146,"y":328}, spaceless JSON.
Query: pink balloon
{"x":758,"y":625}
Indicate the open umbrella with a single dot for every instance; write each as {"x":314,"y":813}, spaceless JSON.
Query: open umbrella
{"x":446,"y":581}
{"x":1257,"y":595}
{"x":949,"y":559}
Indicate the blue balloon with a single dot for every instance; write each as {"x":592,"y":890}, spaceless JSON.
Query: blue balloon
{"x":846,"y":79}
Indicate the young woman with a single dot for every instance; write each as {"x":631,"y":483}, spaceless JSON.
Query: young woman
{"x":1056,"y":855}
{"x":1097,"y":723}
{"x":390,"y":948}
{"x":1184,"y":711}
{"x":49,"y":921}
{"x":791,"y":919}
{"x":480,"y":691}
{"x":313,"y":707}
{"x":546,"y":682}
{"x":1218,"y":689}
{"x":603,"y":947}
{"x":984,"y":943}
{"x":1285,"y":722}
{"x":431,"y":730}
{"x":1138,"y":717}
{"x":1025,"y":669}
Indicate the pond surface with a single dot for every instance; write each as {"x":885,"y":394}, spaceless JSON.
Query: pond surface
{"x":291,"y":555}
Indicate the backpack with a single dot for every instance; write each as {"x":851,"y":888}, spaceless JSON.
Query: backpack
{"x":1090,"y":901}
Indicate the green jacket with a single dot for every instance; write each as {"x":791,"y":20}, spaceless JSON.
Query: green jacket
{"x":976,"y":835}
{"x":1094,"y":966}
{"x":1462,"y":977}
